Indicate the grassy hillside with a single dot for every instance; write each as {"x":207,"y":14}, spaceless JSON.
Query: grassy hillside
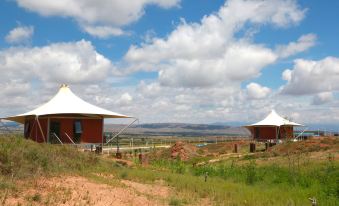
{"x":287,"y":174}
{"x":21,"y":158}
{"x":272,"y":178}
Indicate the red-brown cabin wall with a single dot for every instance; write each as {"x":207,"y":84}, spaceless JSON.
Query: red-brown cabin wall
{"x":91,"y":130}
{"x":34,"y":132}
{"x":266,"y":133}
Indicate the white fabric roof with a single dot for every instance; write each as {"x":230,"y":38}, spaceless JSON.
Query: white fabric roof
{"x":66,"y":102}
{"x":273,"y":119}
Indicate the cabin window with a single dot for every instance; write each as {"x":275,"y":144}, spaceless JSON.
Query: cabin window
{"x":77,"y":127}
{"x":77,"y":131}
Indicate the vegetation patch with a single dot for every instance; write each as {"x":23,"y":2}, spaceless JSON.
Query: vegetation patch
{"x":287,"y":179}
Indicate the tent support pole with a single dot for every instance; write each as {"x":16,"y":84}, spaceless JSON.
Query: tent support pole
{"x":102,"y":137}
{"x":48,"y":128}
{"x":58,"y":138}
{"x":42,"y":133}
{"x":123,"y":129}
{"x":301,"y":133}
{"x":69,"y":138}
{"x":36,"y":131}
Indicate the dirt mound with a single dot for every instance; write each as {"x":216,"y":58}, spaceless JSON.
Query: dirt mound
{"x":311,"y":145}
{"x":183,"y":151}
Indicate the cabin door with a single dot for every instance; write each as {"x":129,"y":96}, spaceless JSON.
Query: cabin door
{"x":256,"y":132}
{"x":54,"y":132}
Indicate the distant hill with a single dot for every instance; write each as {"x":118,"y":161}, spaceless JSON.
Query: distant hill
{"x":232,"y":124}
{"x":180,"y":129}
{"x":9,"y":124}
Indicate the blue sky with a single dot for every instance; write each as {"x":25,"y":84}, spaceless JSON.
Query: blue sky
{"x":174,"y":60}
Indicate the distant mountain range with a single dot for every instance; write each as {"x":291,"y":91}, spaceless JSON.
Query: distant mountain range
{"x":185,"y":129}
{"x":180,"y":129}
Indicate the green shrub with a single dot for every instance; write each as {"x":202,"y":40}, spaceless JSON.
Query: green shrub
{"x":251,"y":173}
{"x":174,"y":202}
{"x":36,"y":197}
{"x":124,"y":175}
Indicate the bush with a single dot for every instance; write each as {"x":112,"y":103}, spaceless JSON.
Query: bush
{"x":124,"y":175}
{"x":251,"y":172}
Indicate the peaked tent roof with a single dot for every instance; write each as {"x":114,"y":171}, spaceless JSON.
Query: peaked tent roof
{"x":273,"y":119}
{"x":66,"y":102}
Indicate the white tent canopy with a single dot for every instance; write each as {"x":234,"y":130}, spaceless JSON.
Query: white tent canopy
{"x":65,"y":102}
{"x":273,"y":119}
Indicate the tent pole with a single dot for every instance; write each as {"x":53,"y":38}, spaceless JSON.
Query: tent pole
{"x":102,"y":137}
{"x":48,"y":128}
{"x":276,"y":135}
{"x":69,"y":138}
{"x":123,"y":129}
{"x":43,"y":136}
{"x":36,"y":131}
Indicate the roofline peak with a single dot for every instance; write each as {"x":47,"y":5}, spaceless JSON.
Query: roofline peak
{"x":64,"y":86}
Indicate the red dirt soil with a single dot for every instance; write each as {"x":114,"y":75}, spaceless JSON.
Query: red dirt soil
{"x":81,"y":191}
{"x":183,"y":151}
{"x":311,"y":145}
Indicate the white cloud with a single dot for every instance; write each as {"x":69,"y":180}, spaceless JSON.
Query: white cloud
{"x":104,"y":13}
{"x":14,"y":87}
{"x":322,"y":98}
{"x":239,"y":62}
{"x":103,"y":31}
{"x":20,"y":34}
{"x":304,"y":43}
{"x":208,"y":54}
{"x":256,"y":91}
{"x":125,"y":99}
{"x":287,"y":75}
{"x":149,"y":90}
{"x":312,"y":77}
{"x":201,"y":66}
{"x":73,"y":62}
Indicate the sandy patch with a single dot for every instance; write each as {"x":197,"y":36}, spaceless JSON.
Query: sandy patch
{"x":153,"y":190}
{"x":81,"y":191}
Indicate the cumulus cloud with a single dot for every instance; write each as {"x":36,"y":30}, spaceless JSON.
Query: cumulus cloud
{"x":73,"y":62}
{"x":20,"y":34}
{"x":103,"y":31}
{"x":105,"y":13}
{"x":312,"y":77}
{"x":149,"y":90}
{"x":322,"y":98}
{"x":287,"y":75}
{"x":256,"y":91}
{"x":14,"y":87}
{"x":201,"y":66}
{"x":125,"y":99}
{"x":304,"y":43}
{"x":208,"y":53}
